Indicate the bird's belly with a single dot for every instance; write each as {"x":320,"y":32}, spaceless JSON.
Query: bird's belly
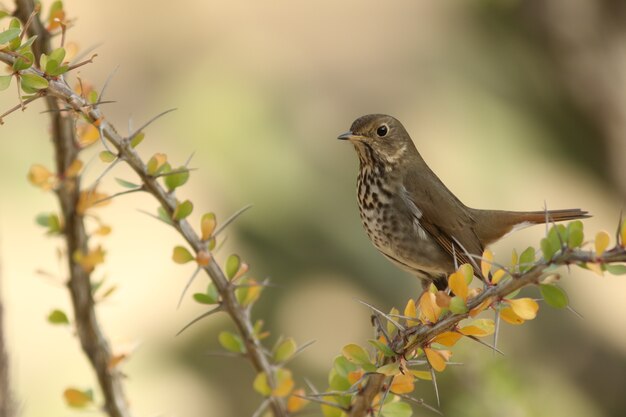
{"x":404,"y":243}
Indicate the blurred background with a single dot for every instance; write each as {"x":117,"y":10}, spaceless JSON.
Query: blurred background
{"x":514,"y":104}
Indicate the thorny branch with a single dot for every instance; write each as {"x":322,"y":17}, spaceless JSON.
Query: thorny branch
{"x":59,"y":89}
{"x":92,"y":339}
{"x":422,"y":333}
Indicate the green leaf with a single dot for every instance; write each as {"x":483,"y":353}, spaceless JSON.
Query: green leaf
{"x":343,"y":366}
{"x":231,"y":342}
{"x":457,"y":305}
{"x":390,"y":369}
{"x":203,"y":298}
{"x":33,"y":82}
{"x":50,"y":221}
{"x":233,"y":263}
{"x":127,"y":184}
{"x":137,"y":139}
{"x":183,"y":210}
{"x":527,"y":259}
{"x":24,"y":61}
{"x":337,"y":382}
{"x":43,"y":61}
{"x":58,"y":317}
{"x":92,"y":97}
{"x":25,"y":47}
{"x":5,"y":82}
{"x":547,"y":249}
{"x":173,"y":181}
{"x":356,"y":354}
{"x":107,"y":157}
{"x":557,"y":236}
{"x":9,"y":34}
{"x":615,"y":269}
{"x":285,"y":350}
{"x":181,"y":255}
{"x":261,"y":385}
{"x":575,"y":235}
{"x":554,"y":296}
{"x":382,"y":347}
{"x":397,"y":409}
{"x":57,"y":55}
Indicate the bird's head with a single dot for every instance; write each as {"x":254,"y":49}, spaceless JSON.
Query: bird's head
{"x":379,"y":138}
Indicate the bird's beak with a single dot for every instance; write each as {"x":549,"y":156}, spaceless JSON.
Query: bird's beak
{"x":347,"y":136}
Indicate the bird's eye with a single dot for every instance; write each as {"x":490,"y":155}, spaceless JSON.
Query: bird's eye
{"x":382,"y":130}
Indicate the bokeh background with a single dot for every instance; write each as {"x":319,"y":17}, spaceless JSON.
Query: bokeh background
{"x":513,"y":103}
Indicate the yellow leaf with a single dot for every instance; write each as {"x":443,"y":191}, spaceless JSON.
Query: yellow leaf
{"x":514,"y":258}
{"x":74,"y":168}
{"x":410,"y":311}
{"x":295,"y":404}
{"x":468,"y":272}
{"x":77,"y":398}
{"x":596,"y":268}
{"x":429,"y":308}
{"x":390,"y":326}
{"x":402,"y":384}
{"x":89,"y":199}
{"x":425,"y":375}
{"x":253,"y":292}
{"x":479,"y":328}
{"x":497,"y":276}
{"x":90,"y":260}
{"x":261,"y":385}
{"x":103,"y":230}
{"x":602,"y":242}
{"x":525,"y":308}
{"x":155,"y":163}
{"x":87,"y":134}
{"x":447,"y":338}
{"x":39,"y":176}
{"x":436,"y":359}
{"x":390,"y":369}
{"x":485,"y":263}
{"x":207,"y":225}
{"x":458,"y":285}
{"x":507,"y":314}
{"x":623,"y":233}
{"x":284,"y":383}
{"x":480,"y":307}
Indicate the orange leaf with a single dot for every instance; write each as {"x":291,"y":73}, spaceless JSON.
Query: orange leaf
{"x":458,"y":285}
{"x":74,"y":168}
{"x":355,"y":376}
{"x":89,"y":199}
{"x":116,"y":360}
{"x":77,"y":398}
{"x":103,"y":230}
{"x":436,"y":359}
{"x":429,"y":308}
{"x":203,"y":258}
{"x":442,"y":299}
{"x":525,"y":308}
{"x":485,"y":263}
{"x":90,"y":260}
{"x":295,"y":404}
{"x":480,"y":307}
{"x":602,"y":242}
{"x":402,"y":384}
{"x":479,"y":328}
{"x":447,"y":338}
{"x":507,"y":314}
{"x":39,"y":176}
{"x":87,"y":134}
{"x":284,"y":383}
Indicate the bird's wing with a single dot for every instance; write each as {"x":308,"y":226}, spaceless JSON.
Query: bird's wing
{"x":443,"y":217}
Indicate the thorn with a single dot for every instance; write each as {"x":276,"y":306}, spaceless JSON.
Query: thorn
{"x":262,"y":408}
{"x":189,"y":159}
{"x":106,"y":171}
{"x":154,"y":216}
{"x":469,"y":255}
{"x":111,"y":197}
{"x":382,"y":401}
{"x":175,"y":171}
{"x":420,"y":402}
{"x":311,"y":386}
{"x":570,"y":308}
{"x":200,"y":317}
{"x":493,"y":348}
{"x":106,"y":83}
{"x":434,"y":379}
{"x":618,"y":234}
{"x":182,"y":295}
{"x":149,"y":122}
{"x":231,"y":219}
{"x":320,"y":401}
{"x":456,"y":261}
{"x":496,"y":331}
{"x":300,"y":350}
{"x":392,"y":321}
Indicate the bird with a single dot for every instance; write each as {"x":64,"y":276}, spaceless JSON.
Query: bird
{"x":412,"y":218}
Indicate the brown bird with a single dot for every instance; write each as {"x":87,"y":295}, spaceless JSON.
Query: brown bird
{"x":411,"y":217}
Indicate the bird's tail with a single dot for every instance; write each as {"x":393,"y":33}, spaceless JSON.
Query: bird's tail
{"x":494,"y":224}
